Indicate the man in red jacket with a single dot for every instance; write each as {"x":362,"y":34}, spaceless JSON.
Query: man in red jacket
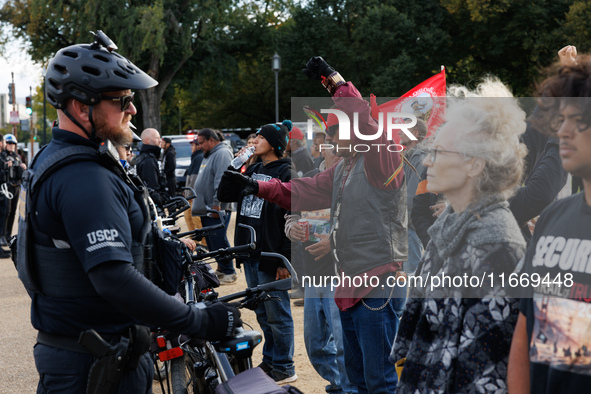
{"x":367,"y":197}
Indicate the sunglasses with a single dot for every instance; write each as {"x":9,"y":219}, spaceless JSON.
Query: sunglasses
{"x":128,"y":148}
{"x":124,"y":100}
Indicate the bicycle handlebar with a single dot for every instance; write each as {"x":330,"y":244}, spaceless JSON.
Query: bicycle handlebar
{"x":200,"y":232}
{"x":224,"y":252}
{"x":278,"y":285}
{"x":287,"y":264}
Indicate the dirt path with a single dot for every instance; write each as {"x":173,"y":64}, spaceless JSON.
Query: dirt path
{"x":18,"y":336}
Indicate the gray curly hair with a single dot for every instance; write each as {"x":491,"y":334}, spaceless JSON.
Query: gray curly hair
{"x":492,"y":122}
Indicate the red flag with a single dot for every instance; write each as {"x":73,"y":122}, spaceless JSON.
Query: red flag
{"x":426,"y":101}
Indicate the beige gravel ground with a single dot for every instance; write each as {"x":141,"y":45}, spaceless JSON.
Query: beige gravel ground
{"x":18,"y":337}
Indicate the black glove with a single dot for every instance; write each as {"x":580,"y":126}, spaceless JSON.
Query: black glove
{"x":222,"y":320}
{"x":317,"y":67}
{"x":247,"y":184}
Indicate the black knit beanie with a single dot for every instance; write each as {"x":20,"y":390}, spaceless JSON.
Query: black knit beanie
{"x":277,"y":135}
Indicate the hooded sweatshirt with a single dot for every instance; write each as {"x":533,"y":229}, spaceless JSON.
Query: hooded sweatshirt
{"x":214,"y":163}
{"x":266,"y":218}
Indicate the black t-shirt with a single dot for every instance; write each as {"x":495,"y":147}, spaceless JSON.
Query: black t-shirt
{"x":559,"y":314}
{"x":90,"y":209}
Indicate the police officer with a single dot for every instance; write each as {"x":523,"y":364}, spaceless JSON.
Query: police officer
{"x":169,"y":165}
{"x":83,"y":221}
{"x":15,"y":168}
{"x":4,"y":207}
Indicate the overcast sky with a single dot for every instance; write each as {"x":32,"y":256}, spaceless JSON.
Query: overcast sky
{"x":26,"y":73}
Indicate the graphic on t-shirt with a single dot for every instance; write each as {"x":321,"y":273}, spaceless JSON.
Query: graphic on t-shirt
{"x":252,"y":206}
{"x":561,"y":336}
{"x":319,"y":223}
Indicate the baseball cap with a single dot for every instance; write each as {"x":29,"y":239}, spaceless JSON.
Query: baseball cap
{"x":296,"y":134}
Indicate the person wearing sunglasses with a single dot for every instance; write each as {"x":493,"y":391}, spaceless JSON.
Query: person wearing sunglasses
{"x":456,"y":337}
{"x":86,"y":222}
{"x":125,"y":155}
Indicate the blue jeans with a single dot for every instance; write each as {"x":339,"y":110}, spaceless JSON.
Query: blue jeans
{"x":64,"y":371}
{"x":217,"y":239}
{"x":323,"y":337}
{"x":274,"y":317}
{"x":368,"y":338}
{"x":415,"y":252}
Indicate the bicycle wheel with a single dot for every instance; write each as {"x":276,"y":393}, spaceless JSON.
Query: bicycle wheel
{"x":183,"y":377}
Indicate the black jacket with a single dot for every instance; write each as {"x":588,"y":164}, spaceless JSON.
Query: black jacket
{"x":266,"y":218}
{"x":169,"y":162}
{"x":149,"y":171}
{"x":147,"y":166}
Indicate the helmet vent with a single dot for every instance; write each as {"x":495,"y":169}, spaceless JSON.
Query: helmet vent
{"x":60,"y":69}
{"x":71,"y":54}
{"x":91,"y":70}
{"x":120,"y":74}
{"x":130,"y":69}
{"x":101,"y":58}
{"x":56,"y":85}
{"x":78,"y":94}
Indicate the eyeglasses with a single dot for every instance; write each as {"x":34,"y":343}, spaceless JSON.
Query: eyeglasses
{"x":125,"y":100}
{"x":433,"y":153}
{"x":128,"y":148}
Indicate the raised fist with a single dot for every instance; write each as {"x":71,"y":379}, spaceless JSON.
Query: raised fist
{"x":317,"y":67}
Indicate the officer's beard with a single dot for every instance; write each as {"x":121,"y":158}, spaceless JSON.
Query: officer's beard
{"x":119,"y":135}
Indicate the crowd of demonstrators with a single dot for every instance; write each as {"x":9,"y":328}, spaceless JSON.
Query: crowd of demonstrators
{"x":169,"y":165}
{"x":476,"y":160}
{"x":322,"y":326}
{"x":268,"y":221}
{"x":217,"y":156}
{"x":459,"y":203}
{"x":544,"y":178}
{"x":414,"y":153}
{"x":299,"y":152}
{"x":84,"y":220}
{"x":366,"y":194}
{"x":193,"y":222}
{"x":550,"y":348}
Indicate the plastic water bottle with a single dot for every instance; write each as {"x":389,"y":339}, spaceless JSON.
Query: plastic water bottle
{"x":242,"y":158}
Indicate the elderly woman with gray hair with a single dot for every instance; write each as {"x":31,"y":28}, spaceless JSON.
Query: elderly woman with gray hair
{"x":455,"y":338}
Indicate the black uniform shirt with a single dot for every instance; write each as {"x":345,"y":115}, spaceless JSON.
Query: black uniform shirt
{"x":94,"y":211}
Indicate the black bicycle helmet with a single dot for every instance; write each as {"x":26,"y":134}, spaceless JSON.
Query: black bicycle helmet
{"x":84,"y":71}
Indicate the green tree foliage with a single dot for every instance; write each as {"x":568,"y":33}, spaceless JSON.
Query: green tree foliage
{"x":158,"y":36}
{"x":231,"y":84}
{"x":510,"y":39}
{"x":577,"y":29}
{"x":213,"y":58}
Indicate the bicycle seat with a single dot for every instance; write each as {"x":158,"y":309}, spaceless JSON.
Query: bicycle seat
{"x":241,"y":345}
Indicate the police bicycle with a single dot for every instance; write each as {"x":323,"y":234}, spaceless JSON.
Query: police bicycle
{"x":206,"y":365}
{"x":199,"y":366}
